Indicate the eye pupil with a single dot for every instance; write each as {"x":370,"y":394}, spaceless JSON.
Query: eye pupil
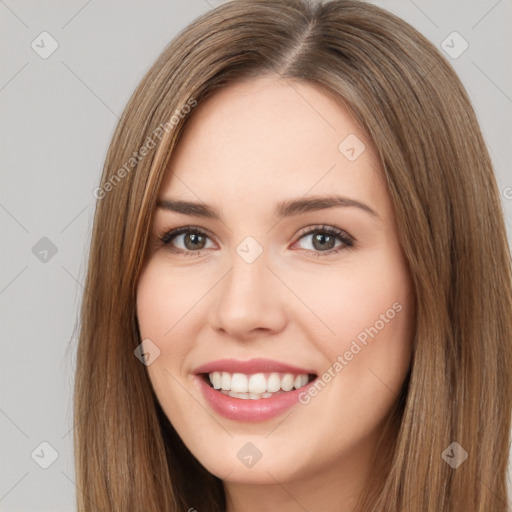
{"x":321,"y":239}
{"x":195,"y":238}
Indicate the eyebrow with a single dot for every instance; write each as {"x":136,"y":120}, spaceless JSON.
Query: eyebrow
{"x":287,"y":208}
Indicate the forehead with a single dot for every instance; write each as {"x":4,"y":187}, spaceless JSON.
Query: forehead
{"x":267,"y":140}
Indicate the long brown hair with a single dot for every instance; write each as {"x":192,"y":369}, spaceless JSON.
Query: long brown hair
{"x":411,"y":104}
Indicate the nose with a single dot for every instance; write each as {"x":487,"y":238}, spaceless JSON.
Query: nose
{"x":249,"y":301}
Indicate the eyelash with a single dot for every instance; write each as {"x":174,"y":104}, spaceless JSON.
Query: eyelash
{"x":166,"y":237}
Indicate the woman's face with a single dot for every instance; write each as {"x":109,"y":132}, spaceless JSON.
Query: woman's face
{"x":288,"y":269}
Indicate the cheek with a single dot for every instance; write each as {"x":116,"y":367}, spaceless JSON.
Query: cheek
{"x":161,"y":305}
{"x":153,"y":297}
{"x":164,"y":299}
{"x":363,"y":324}
{"x":371,"y":313}
{"x":358,"y":295}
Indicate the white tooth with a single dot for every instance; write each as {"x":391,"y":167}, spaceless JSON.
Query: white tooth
{"x":226,"y":381}
{"x":257,"y":383}
{"x":256,"y":386}
{"x":243,"y":396}
{"x":287,"y":382}
{"x":239,"y":383}
{"x":273,"y":383}
{"x":216,"y":379}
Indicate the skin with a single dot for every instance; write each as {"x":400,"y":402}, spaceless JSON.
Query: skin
{"x":245,"y":149}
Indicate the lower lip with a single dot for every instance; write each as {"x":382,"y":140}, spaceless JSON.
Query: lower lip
{"x":250,"y":410}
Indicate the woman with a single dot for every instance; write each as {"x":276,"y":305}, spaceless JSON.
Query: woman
{"x":299,"y":285}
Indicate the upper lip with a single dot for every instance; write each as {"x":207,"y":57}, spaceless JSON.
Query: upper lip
{"x":251,"y":366}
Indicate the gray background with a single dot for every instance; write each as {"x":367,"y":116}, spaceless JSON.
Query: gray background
{"x":57,"y":118}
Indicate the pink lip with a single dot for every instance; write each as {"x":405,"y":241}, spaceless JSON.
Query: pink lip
{"x":250,"y":367}
{"x":249,"y":410}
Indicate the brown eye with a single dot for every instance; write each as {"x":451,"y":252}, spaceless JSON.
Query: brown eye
{"x":322,"y":241}
{"x":194,"y":241}
{"x":325,"y":240}
{"x":184,"y":240}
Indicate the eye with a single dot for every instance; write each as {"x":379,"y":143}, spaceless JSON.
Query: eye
{"x":191,"y":239}
{"x":322,"y":240}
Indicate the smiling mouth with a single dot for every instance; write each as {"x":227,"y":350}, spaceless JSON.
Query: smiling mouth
{"x":258,"y":385}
